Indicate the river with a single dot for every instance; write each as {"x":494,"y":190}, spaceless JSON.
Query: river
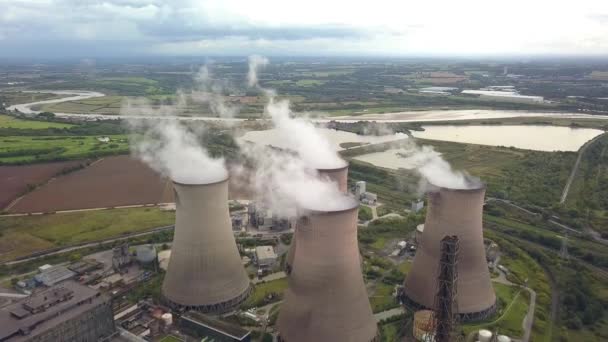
{"x":407,"y":116}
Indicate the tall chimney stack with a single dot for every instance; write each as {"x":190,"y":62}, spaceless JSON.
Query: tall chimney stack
{"x":205,"y":272}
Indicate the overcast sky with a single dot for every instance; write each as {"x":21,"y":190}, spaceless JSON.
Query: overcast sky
{"x":96,"y":28}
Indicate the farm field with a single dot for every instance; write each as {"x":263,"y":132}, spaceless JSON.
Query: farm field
{"x":110,"y":182}
{"x":7,"y":121}
{"x":16,"y":180}
{"x":97,"y":105}
{"x":27,"y":149}
{"x":17,"y":97}
{"x":23,"y":235}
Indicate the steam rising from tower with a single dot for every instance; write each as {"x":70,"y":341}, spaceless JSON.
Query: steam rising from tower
{"x":326,"y":299}
{"x":453,"y":212}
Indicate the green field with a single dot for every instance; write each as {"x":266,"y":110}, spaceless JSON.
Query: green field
{"x":7,"y":121}
{"x":262,"y":290}
{"x":99,"y":105}
{"x":22,"y":235}
{"x":382,"y":297}
{"x":514,"y":306}
{"x":26,"y":149}
{"x":18,"y":97}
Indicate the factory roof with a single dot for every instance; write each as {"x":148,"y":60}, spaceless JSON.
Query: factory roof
{"x":265,"y":252}
{"x":41,"y":311}
{"x":54,"y":275}
{"x":217,"y":325}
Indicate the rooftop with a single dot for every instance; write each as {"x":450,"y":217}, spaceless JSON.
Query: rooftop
{"x":265,"y":252}
{"x":46,"y":309}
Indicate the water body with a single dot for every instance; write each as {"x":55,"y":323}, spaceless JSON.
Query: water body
{"x":529,"y":137}
{"x":272,"y":137}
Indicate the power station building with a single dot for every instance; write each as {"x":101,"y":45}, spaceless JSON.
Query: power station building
{"x":65,"y":312}
{"x":326,"y":299}
{"x":453,"y":212}
{"x":205,"y":272}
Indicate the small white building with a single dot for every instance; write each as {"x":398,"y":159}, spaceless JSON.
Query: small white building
{"x":265,"y":256}
{"x":104,"y":139}
{"x":417,"y":205}
{"x":360,"y":189}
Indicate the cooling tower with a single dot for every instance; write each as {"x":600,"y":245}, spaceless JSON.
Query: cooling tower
{"x":453,"y":212}
{"x":338,"y":176}
{"x":326,"y":299}
{"x":205,"y":271}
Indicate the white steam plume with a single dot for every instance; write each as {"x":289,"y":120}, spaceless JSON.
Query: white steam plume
{"x":170,"y":148}
{"x":210,"y":91}
{"x":284,"y":183}
{"x":255,"y":63}
{"x":303,"y":137}
{"x":300,"y":135}
{"x":435,"y":170}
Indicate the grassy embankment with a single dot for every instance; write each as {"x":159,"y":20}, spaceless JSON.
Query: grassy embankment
{"x":22,"y":235}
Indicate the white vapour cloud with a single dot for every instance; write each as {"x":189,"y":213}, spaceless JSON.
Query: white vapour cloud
{"x":255,"y":63}
{"x":210,"y":91}
{"x":303,"y":137}
{"x":435,"y":170}
{"x":284,"y":183}
{"x":300,"y":135}
{"x":170,"y":148}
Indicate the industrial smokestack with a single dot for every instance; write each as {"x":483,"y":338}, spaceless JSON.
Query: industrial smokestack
{"x":205,"y":271}
{"x":453,"y":212}
{"x":326,"y":299}
{"x":338,"y":176}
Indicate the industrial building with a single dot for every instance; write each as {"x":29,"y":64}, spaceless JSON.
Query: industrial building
{"x":66,"y":312}
{"x":326,"y":299}
{"x":205,"y":272}
{"x":338,"y":176}
{"x":54,"y":275}
{"x":265,"y":256}
{"x":454,"y":212}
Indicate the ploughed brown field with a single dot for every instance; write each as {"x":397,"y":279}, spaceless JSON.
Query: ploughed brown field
{"x":15,"y":180}
{"x":109,"y":182}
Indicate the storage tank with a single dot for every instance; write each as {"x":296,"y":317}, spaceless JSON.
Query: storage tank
{"x":205,"y":271}
{"x":423,"y":324}
{"x":419,"y":231}
{"x":326,"y":299}
{"x":484,"y":335}
{"x":145,"y":254}
{"x":167,"y":318}
{"x":453,"y":212}
{"x":503,"y":338}
{"x":337,"y":175}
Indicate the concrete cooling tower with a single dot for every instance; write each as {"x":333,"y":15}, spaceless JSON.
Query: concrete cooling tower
{"x":338,"y":176}
{"x":205,"y":271}
{"x":453,"y":212}
{"x":326,"y":299}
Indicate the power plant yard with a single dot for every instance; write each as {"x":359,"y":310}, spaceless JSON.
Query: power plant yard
{"x":218,"y":210}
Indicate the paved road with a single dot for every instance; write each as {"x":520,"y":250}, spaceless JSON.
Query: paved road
{"x":581,"y":152}
{"x":389,"y":313}
{"x":529,"y":319}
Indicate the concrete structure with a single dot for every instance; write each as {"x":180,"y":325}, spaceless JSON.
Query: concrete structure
{"x":419,"y":231}
{"x":205,"y":328}
{"x":484,"y":335}
{"x":145,"y":254}
{"x":453,"y":212}
{"x":340,"y":177}
{"x":360,"y":188}
{"x":205,"y":272}
{"x":417,"y":205}
{"x":369,"y":198}
{"x":265,"y":256}
{"x":66,"y":312}
{"x":326,"y":299}
{"x":54,"y":275}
